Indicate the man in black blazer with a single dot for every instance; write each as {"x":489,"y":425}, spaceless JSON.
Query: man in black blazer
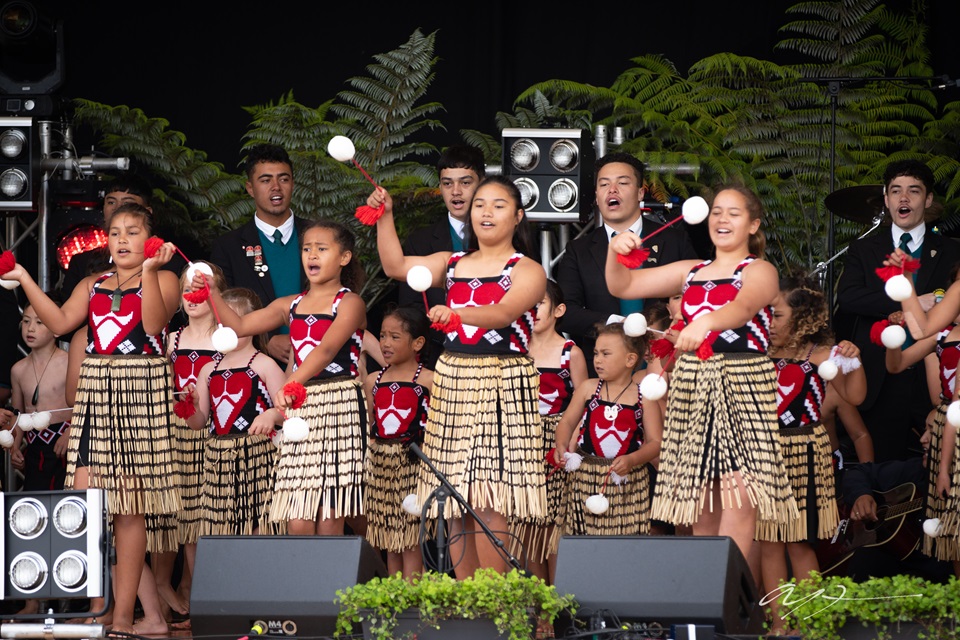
{"x":580,"y":273}
{"x":242,"y":254}
{"x":896,"y":404}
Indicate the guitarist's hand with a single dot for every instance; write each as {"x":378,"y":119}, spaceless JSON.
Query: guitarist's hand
{"x":865,"y":508}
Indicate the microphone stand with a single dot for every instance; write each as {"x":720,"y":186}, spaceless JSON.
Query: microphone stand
{"x":441,"y":494}
{"x":823,"y":265}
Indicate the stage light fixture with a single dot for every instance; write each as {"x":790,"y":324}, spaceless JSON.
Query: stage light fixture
{"x":75,"y":224}
{"x":55,"y":544}
{"x":553,"y":169}
{"x":31,"y":50}
{"x":16,"y":164}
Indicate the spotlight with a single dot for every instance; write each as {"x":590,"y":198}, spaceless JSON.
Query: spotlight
{"x":553,"y":170}
{"x":16,"y":164}
{"x":31,"y":50}
{"x":75,"y":224}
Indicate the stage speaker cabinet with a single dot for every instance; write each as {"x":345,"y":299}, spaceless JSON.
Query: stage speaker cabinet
{"x":654,"y":581}
{"x":285,"y":583}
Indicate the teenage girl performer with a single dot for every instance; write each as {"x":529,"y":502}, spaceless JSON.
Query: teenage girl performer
{"x":720,"y":464}
{"x":398,"y":397}
{"x":318,"y":479}
{"x":483,"y":431}
{"x":121,"y":439}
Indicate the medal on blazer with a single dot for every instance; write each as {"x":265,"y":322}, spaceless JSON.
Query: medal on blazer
{"x":258,"y":265}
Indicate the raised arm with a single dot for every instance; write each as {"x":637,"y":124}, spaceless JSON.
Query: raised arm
{"x":923,"y":324}
{"x":649,"y":282}
{"x":60,"y":319}
{"x":395,"y":264}
{"x":160,"y":291}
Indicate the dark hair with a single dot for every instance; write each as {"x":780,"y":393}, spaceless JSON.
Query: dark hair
{"x":634,"y":344}
{"x":554,"y":293}
{"x":625,"y":158}
{"x":657,"y":314}
{"x":912,"y":168}
{"x":758,"y":241}
{"x":244,"y":301}
{"x":129,"y":183}
{"x":352,"y":276}
{"x":521,"y":234}
{"x":811,"y":318}
{"x":135,"y":210}
{"x":265,"y":153}
{"x":462,"y":156}
{"x":412,"y":318}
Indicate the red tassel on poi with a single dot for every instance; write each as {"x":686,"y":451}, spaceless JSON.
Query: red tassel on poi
{"x":876,"y":330}
{"x":184,"y":408}
{"x":907,"y":265}
{"x":151,"y":246}
{"x":368,"y":215}
{"x":678,"y":326}
{"x":450,"y":325}
{"x":634,"y":259}
{"x":705,"y":350}
{"x":7,"y":262}
{"x":661,"y":348}
{"x":297,"y":391}
{"x":200,"y":295}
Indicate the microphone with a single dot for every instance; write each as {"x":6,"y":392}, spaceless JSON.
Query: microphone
{"x":947,"y":83}
{"x":656,"y":206}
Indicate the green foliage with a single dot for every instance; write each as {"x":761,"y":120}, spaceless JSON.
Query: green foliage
{"x":508,"y":599}
{"x":819,"y":607}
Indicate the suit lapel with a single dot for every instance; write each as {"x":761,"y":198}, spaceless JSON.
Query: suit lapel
{"x":929,"y":258}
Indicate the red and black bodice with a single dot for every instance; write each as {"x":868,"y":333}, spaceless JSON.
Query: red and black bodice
{"x":399,"y":409}
{"x":187,"y":363}
{"x":477,"y":292}
{"x":800,"y":392}
{"x":307,"y":331}
{"x":948,"y":353}
{"x":609,"y":429}
{"x":556,"y":384}
{"x":115,"y":323}
{"x":237,"y":397}
{"x":705,"y":296}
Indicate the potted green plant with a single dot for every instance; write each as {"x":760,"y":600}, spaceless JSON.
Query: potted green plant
{"x":902,"y":606}
{"x":510,"y":604}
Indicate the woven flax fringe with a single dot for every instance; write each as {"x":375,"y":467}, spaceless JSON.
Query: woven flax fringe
{"x":806,"y":454}
{"x":124,"y":404}
{"x":722,"y":418}
{"x":629,"y":511}
{"x":191,"y":444}
{"x":238,"y":472}
{"x":326,"y":469}
{"x":389,"y":475}
{"x":947,"y":545}
{"x":484,"y":434}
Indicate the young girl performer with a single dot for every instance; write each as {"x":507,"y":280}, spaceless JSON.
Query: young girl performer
{"x":800,"y":342}
{"x":619,"y":435}
{"x":720,"y":463}
{"x":397,"y":397}
{"x":122,"y":434}
{"x":318,"y":479}
{"x":483,"y":429}
{"x":233,"y":401}
{"x":562,"y":367}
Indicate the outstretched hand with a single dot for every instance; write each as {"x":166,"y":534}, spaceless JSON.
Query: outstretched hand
{"x":626,"y":242}
{"x":380,"y":197}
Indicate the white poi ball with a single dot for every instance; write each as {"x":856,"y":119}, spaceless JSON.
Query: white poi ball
{"x":41,"y":420}
{"x":9,"y":284}
{"x":572,"y":461}
{"x":898,"y":288}
{"x":295,"y":429}
{"x":411,"y":505}
{"x":6,"y":439}
{"x":635,"y":324}
{"x":277,"y":438}
{"x":828,"y":370}
{"x":25,"y":421}
{"x":202,"y":267}
{"x":341,"y":148}
{"x":953,"y":414}
{"x":931,"y":527}
{"x":598,"y":504}
{"x":695,"y":210}
{"x":224,"y":339}
{"x":653,"y":386}
{"x":419,"y":278}
{"x":893,"y":336}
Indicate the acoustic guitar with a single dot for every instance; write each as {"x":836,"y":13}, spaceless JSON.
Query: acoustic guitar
{"x":893,"y":530}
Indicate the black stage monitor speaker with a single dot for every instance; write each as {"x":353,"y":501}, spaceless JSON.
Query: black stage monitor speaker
{"x":664,"y":580}
{"x":285,"y":583}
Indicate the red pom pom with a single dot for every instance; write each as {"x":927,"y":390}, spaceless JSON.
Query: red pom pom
{"x":634,"y":259}
{"x":184,"y":408}
{"x":368,"y":215}
{"x":7,"y":262}
{"x":450,"y":325}
{"x":705,"y":350}
{"x":886,"y":273}
{"x":298,"y":391}
{"x":551,"y":460}
{"x":910,"y":264}
{"x":151,"y":246}
{"x":661,"y":348}
{"x":876,"y":330}
{"x":678,"y":326}
{"x":198,"y":296}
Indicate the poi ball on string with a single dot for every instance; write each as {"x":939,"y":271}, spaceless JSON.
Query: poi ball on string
{"x":653,"y":386}
{"x":411,"y":504}
{"x":6,"y":439}
{"x":898,"y":288}
{"x":931,"y":527}
{"x":341,"y":148}
{"x":893,"y":336}
{"x":202,"y":267}
{"x":224,"y":339}
{"x":597,"y":504}
{"x":635,"y":325}
{"x":419,"y":278}
{"x":25,"y":421}
{"x":295,"y":429}
{"x":9,"y":284}
{"x":828,"y":370}
{"x":953,"y":414}
{"x":277,"y":438}
{"x":41,"y":420}
{"x":695,"y":210}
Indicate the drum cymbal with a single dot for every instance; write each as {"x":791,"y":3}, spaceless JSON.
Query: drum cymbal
{"x":860,"y":203}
